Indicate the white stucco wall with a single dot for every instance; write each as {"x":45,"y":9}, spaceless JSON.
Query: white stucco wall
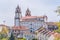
{"x":51,"y":37}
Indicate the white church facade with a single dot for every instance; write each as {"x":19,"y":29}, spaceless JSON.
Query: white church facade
{"x":33,"y":22}
{"x":27,"y":25}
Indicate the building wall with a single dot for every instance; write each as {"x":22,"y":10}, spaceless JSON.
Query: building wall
{"x":42,"y":36}
{"x":32,"y":24}
{"x":51,"y":37}
{"x":29,"y":36}
{"x":19,"y":33}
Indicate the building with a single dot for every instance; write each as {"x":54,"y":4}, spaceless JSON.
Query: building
{"x":32,"y":22}
{"x":19,"y":31}
{"x":51,"y":26}
{"x":30,"y":27}
{"x":4,"y":30}
{"x":57,"y":36}
{"x":43,"y":34}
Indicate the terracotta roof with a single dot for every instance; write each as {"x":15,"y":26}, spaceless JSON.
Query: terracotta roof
{"x":19,"y":28}
{"x":48,"y":32}
{"x":45,"y":31}
{"x":29,"y":17}
{"x":57,"y":35}
{"x":27,"y":33}
{"x":29,"y":20}
{"x":2,"y":25}
{"x":51,"y":23}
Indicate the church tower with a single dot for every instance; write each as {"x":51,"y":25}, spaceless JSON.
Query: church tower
{"x":18,"y":15}
{"x":28,"y":12}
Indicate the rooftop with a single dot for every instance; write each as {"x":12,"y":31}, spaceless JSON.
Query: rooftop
{"x":29,"y":17}
{"x":20,"y":28}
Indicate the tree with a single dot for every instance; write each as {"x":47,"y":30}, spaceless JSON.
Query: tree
{"x":21,"y":39}
{"x":58,"y":10}
{"x":1,"y":36}
{"x":58,"y":30}
{"x":34,"y":39}
{"x":56,"y":38}
{"x":12,"y":37}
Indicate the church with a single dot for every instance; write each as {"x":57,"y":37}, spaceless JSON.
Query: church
{"x":32,"y":22}
{"x":28,"y":24}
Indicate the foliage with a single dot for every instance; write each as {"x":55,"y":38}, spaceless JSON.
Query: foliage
{"x":57,"y":38}
{"x":21,"y":39}
{"x":5,"y":39}
{"x":12,"y":37}
{"x":58,"y":30}
{"x":1,"y":36}
{"x":58,"y":10}
{"x":34,"y":39}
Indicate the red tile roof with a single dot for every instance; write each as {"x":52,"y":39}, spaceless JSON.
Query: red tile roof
{"x":51,"y":23}
{"x":20,"y":28}
{"x":29,"y":17}
{"x":57,"y":35}
{"x":29,"y":20}
{"x":2,"y":25}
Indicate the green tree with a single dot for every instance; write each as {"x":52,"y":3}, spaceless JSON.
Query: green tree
{"x":58,"y":30}
{"x":57,"y":38}
{"x":58,"y":10}
{"x":21,"y":38}
{"x":34,"y":39}
{"x":1,"y":36}
{"x":12,"y":37}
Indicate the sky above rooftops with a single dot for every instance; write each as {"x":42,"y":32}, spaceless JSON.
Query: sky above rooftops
{"x":37,"y":8}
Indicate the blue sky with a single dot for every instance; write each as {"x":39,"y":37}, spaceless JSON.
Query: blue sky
{"x":37,"y":7}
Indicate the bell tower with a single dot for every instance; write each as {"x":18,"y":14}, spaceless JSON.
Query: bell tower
{"x":18,"y":15}
{"x":28,"y":12}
